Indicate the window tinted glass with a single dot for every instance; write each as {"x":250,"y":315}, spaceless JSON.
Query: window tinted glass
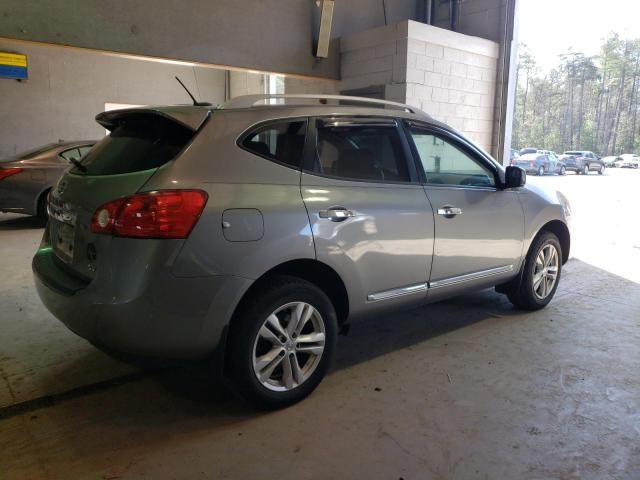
{"x":70,"y":154}
{"x":138,"y":143}
{"x":446,"y":164}
{"x":84,"y":150}
{"x":361,"y":153}
{"x":283,"y":142}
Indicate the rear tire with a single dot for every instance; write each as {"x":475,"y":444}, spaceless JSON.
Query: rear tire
{"x":563,"y":171}
{"x":267,"y":359}
{"x":531,"y":294}
{"x":541,"y":171}
{"x":585,"y":169}
{"x":43,"y":216}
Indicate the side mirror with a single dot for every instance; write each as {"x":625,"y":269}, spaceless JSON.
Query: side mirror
{"x":514,"y":177}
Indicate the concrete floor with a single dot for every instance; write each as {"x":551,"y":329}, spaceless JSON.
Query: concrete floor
{"x":469,"y":388}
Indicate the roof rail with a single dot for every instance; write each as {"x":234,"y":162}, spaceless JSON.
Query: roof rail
{"x":248,"y":101}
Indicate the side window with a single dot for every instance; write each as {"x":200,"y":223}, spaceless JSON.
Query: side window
{"x":68,"y":155}
{"x":84,"y":150}
{"x":281,"y":141}
{"x":361,"y":152}
{"x":446,"y":164}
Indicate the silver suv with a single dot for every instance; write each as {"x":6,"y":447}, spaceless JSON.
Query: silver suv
{"x":253,"y":233}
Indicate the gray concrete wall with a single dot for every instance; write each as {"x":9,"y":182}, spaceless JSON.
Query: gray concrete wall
{"x":270,"y":35}
{"x":68,"y":87}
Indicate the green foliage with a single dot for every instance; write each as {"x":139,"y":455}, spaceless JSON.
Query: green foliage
{"x":586,"y":103}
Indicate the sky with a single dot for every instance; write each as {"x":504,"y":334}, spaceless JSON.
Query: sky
{"x":552,"y":27}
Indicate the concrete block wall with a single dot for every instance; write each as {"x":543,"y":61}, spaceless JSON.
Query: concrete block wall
{"x":449,"y":75}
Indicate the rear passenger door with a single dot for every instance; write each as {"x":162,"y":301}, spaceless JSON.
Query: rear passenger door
{"x":370,"y":217}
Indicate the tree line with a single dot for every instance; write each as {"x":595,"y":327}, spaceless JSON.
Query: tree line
{"x":585,"y":103}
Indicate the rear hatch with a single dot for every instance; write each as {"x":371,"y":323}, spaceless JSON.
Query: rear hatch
{"x":141,"y":142}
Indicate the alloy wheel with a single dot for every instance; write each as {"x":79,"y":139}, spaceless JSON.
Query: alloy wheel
{"x":545,"y":271}
{"x":289,"y":346}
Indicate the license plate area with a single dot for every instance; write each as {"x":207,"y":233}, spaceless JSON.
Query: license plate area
{"x":62,"y":229}
{"x":63,"y":239}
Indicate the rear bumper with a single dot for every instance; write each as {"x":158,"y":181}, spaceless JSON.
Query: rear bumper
{"x":169,"y":317}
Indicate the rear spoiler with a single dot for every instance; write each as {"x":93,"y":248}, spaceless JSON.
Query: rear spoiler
{"x":187,"y":116}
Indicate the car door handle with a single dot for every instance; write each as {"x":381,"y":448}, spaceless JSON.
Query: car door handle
{"x":449,"y":212}
{"x":336,"y":214}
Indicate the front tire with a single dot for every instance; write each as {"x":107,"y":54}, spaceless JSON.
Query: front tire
{"x":601,"y":170}
{"x":585,"y":169}
{"x":281,"y":342}
{"x":541,"y":170}
{"x":563,"y":171}
{"x":541,"y":274}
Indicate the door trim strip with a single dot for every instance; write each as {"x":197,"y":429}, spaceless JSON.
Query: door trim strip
{"x":471,"y":276}
{"x":398,"y":292}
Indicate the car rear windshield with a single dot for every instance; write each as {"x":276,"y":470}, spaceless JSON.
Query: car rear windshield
{"x":140,"y":142}
{"x":574,"y":153}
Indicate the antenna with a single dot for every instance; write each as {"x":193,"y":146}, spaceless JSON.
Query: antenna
{"x":193,"y":99}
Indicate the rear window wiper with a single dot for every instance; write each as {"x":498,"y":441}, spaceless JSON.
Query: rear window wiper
{"x":78,"y":165}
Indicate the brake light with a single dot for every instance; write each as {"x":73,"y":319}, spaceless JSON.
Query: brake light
{"x":7,"y":172}
{"x":159,"y":214}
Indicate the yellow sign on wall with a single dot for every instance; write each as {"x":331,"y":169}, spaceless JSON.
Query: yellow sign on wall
{"x":13,"y":65}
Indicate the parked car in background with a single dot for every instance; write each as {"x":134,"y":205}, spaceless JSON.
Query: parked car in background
{"x":540,"y":164}
{"x":582,"y":162}
{"x":255,"y":247}
{"x":628,"y":160}
{"x":610,"y":161}
{"x":524,"y":151}
{"x":552,"y":156}
{"x":25,"y":179}
{"x":514,"y":156}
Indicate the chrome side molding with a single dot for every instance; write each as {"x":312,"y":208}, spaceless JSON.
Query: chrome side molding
{"x":471,"y":276}
{"x":398,"y":292}
{"x":423,"y":287}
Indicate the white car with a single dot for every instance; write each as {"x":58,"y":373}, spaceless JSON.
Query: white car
{"x":610,"y":161}
{"x":628,"y":160}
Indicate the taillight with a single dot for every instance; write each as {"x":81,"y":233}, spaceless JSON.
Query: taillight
{"x":159,"y":214}
{"x":7,"y":172}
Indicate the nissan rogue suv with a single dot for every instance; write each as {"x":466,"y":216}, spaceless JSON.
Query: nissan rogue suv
{"x":253,"y":233}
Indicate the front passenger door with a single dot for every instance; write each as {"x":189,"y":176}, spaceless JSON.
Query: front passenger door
{"x":479,"y":228}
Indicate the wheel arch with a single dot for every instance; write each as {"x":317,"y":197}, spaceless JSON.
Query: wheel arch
{"x":311,"y":270}
{"x":43,"y":193}
{"x":560,"y":230}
